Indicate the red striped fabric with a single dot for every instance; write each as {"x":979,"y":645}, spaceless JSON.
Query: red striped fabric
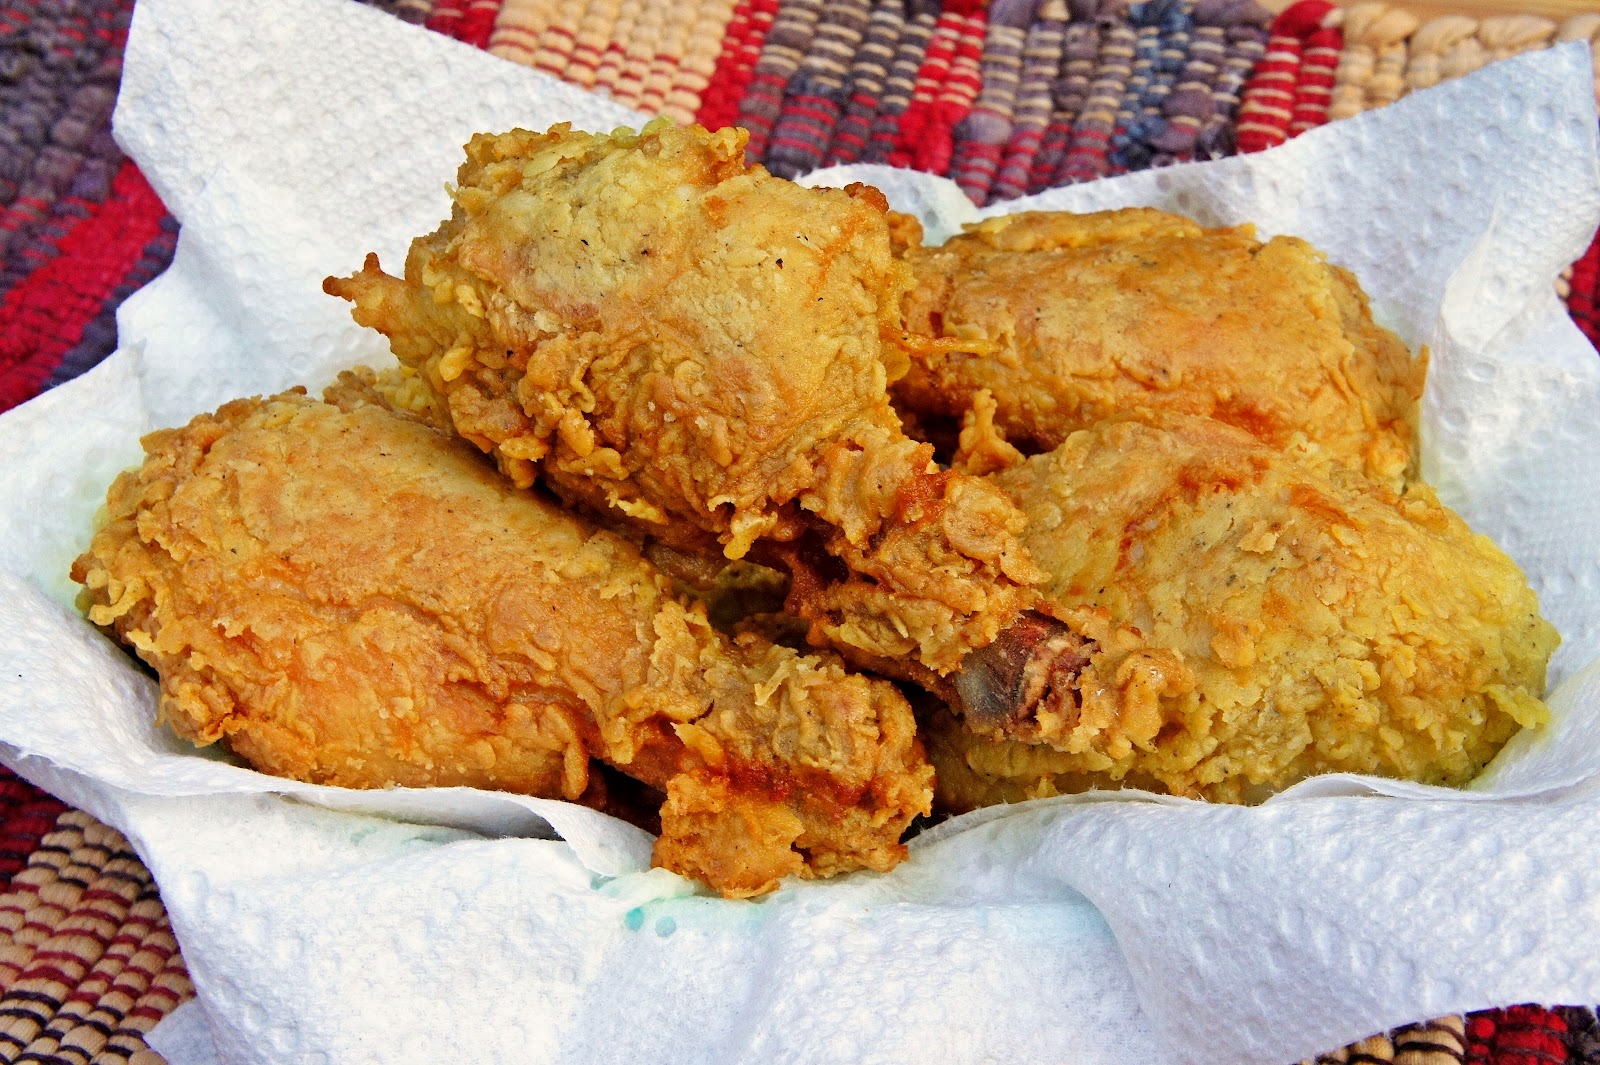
{"x":1583,"y":301}
{"x":1519,"y":1035}
{"x":741,"y":47}
{"x":1314,"y":88}
{"x":44,"y":316}
{"x":924,"y":136}
{"x":26,"y":814}
{"x":468,"y":21}
{"x":1268,"y":104}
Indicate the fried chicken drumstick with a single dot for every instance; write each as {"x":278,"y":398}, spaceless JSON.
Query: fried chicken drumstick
{"x":1277,"y":620}
{"x":1073,"y":319}
{"x":671,"y":339}
{"x":347,"y":596}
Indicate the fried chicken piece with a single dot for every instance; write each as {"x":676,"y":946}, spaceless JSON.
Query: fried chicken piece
{"x":732,"y":590}
{"x":347,"y":596}
{"x":1259,"y":621}
{"x":670,"y":338}
{"x":1072,"y":319}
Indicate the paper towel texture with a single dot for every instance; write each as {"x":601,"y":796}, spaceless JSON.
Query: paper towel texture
{"x":319,"y":925}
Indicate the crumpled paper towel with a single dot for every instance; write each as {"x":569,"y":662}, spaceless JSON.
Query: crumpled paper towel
{"x":321,"y":925}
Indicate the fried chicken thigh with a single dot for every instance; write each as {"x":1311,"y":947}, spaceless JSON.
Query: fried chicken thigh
{"x":345,"y":595}
{"x":1256,"y":621}
{"x":669,"y":338}
{"x":1072,"y":319}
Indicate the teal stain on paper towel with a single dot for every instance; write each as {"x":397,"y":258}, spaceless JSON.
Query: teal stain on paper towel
{"x":666,"y":916}
{"x":665,"y":902}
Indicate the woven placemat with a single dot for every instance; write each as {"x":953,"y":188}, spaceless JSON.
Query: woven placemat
{"x":1005,"y":97}
{"x":88,"y":962}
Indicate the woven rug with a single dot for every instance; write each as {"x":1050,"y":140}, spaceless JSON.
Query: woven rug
{"x":1006,"y":97}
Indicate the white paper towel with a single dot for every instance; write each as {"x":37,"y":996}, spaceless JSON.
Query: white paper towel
{"x":323,"y":925}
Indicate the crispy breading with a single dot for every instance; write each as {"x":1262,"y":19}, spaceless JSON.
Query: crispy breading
{"x":731,"y":589}
{"x":1072,"y":319}
{"x":669,"y":337}
{"x":347,"y":596}
{"x":1262,"y":620}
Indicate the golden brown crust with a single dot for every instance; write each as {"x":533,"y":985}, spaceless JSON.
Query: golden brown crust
{"x":1260,"y":621}
{"x":699,"y":349}
{"x":1072,"y":319}
{"x":349,"y":597}
{"x":701,"y":352}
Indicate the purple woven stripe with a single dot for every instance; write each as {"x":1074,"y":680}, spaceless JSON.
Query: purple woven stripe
{"x":1246,"y":35}
{"x":921,"y":16}
{"x":867,"y":76}
{"x":1190,"y":105}
{"x":60,"y":66}
{"x":1080,"y":45}
{"x":980,"y":137}
{"x":1041,"y":64}
{"x":786,"y":45}
{"x":1087,"y":152}
{"x":817,"y":94}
